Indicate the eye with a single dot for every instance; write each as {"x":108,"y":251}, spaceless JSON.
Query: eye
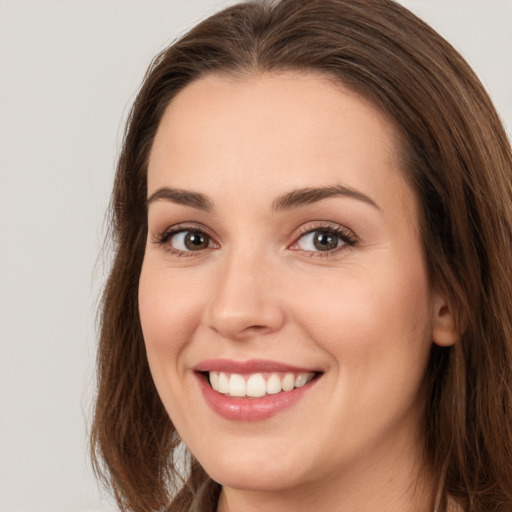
{"x":326,"y":239}
{"x":190,"y":241}
{"x":319,"y":241}
{"x":181,"y":241}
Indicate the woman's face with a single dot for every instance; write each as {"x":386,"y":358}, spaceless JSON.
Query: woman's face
{"x":283,"y":261}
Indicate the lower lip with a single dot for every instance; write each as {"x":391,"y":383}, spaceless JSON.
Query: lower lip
{"x":250,"y":409}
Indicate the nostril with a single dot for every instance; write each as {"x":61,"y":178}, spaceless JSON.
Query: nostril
{"x":240,"y":332}
{"x":255,"y":330}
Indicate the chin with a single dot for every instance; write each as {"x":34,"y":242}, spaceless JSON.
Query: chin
{"x":254,"y":472}
{"x":256,"y":479}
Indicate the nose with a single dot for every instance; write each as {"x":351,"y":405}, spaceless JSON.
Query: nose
{"x":245,"y":302}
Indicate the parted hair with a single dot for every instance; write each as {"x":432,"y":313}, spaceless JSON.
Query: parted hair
{"x":455,"y":155}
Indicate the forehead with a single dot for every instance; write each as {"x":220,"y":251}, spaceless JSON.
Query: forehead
{"x":273,"y":132}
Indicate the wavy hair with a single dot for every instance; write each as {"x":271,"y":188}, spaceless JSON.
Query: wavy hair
{"x":456,"y":157}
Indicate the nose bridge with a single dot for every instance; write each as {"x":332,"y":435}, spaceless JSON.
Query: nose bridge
{"x":243,"y":303}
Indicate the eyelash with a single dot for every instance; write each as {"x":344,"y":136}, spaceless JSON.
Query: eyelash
{"x":163,"y":238}
{"x":348,"y":239}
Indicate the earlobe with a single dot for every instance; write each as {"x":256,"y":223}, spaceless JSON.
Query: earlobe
{"x":444,"y":331}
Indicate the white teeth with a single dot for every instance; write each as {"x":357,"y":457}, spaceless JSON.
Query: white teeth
{"x":223,"y":383}
{"x":273,"y":384}
{"x":288,"y":382}
{"x":255,"y":386}
{"x":300,"y":380}
{"x":237,"y":385}
{"x":214,"y":380}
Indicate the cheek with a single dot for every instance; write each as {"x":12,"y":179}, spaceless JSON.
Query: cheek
{"x":169,"y":311}
{"x":377,"y":316}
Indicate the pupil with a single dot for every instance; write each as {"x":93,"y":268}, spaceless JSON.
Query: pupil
{"x":325,"y":241}
{"x":196,"y":241}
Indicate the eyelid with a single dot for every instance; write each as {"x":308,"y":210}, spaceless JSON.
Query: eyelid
{"x":162,"y":237}
{"x":348,"y":237}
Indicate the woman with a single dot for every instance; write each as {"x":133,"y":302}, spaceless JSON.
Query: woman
{"x":311,"y":286}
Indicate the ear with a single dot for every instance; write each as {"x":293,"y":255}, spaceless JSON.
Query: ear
{"x":444,"y":331}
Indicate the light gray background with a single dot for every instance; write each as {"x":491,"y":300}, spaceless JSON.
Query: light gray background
{"x":68,"y":72}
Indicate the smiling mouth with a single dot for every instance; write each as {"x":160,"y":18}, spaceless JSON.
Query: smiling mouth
{"x":257,"y":385}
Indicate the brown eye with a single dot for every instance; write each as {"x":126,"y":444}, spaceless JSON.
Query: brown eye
{"x":324,"y":241}
{"x":194,"y":240}
{"x":320,"y":241}
{"x":187,"y":241}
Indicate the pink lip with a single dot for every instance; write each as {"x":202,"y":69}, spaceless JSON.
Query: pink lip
{"x":248,"y":409}
{"x":251,"y":366}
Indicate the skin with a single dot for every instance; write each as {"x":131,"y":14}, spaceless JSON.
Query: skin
{"x":363,"y":314}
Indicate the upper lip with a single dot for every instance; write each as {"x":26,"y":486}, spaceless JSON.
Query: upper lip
{"x":250,"y":366}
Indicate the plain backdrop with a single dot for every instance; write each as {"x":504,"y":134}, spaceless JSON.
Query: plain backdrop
{"x":69,"y":70}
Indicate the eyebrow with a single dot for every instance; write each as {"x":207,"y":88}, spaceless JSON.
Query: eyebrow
{"x":178,"y":196}
{"x":305,"y":196}
{"x":287,"y":201}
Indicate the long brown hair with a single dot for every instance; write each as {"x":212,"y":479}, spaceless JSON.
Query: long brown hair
{"x":458,"y":161}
